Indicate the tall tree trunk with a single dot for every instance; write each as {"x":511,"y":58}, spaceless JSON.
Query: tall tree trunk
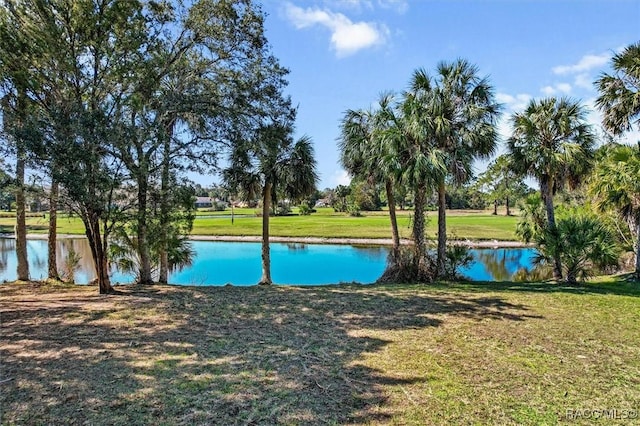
{"x":507,"y":204}
{"x":442,"y":229}
{"x":142,"y":229}
{"x":638,"y":249}
{"x":495,"y":207}
{"x":98,"y":251}
{"x":266,"y":256}
{"x":21,"y":222}
{"x":52,"y":265}
{"x":164,"y":203}
{"x":546,"y":189}
{"x":395,"y":250}
{"x":418,"y":228}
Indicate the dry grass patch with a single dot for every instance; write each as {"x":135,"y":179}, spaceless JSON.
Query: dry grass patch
{"x":456,"y":354}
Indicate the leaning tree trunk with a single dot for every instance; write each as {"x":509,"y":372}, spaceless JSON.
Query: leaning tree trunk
{"x":52,"y":265}
{"x":420,"y":248}
{"x":546,"y":189}
{"x":21,"y":223}
{"x":442,"y":229}
{"x":266,"y":256}
{"x":395,"y":250}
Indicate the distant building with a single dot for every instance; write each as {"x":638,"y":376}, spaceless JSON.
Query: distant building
{"x":204,"y":202}
{"x":323,"y":202}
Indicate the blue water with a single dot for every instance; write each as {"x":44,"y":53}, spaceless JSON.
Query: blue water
{"x":219,"y":263}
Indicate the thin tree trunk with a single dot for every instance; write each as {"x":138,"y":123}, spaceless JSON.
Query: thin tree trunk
{"x":547,"y":197}
{"x":495,"y":207}
{"x":442,"y":229}
{"x":21,"y":223}
{"x":395,"y":250}
{"x":418,"y":228}
{"x":507,"y":204}
{"x":142,"y":229}
{"x":266,"y":256}
{"x":53,"y":232}
{"x":164,"y":204}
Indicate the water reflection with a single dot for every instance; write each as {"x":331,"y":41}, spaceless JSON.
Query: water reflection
{"x":219,"y":263}
{"x":498,"y":264}
{"x":37,"y":254}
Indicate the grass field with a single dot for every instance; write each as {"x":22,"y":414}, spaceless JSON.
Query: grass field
{"x":473,"y":225}
{"x":401,"y":355}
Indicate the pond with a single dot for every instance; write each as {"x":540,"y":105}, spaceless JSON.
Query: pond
{"x":238,"y":263}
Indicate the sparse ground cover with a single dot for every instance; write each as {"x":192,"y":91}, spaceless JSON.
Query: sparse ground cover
{"x":443,"y":354}
{"x":472,"y":225}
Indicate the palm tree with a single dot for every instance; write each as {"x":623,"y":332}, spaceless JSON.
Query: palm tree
{"x":584,"y":243}
{"x":422,"y":164}
{"x":461,"y":113}
{"x":615,"y":184}
{"x":269,"y":162}
{"x":552,"y":143}
{"x":364,"y":143}
{"x":619,"y":98}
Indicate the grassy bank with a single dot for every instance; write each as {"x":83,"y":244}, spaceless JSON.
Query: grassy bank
{"x":477,"y":225}
{"x":458,"y":354}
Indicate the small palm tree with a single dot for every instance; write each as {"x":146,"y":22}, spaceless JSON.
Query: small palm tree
{"x":124,"y":253}
{"x":553,"y":143}
{"x":616,"y":184}
{"x":366,"y":145}
{"x":271,"y":161}
{"x":619,"y":98}
{"x":584,"y":244}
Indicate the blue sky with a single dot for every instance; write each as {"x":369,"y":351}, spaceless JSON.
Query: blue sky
{"x":343,"y":53}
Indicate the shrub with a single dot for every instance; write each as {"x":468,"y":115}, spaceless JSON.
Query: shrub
{"x":584,"y":244}
{"x":403,"y":269}
{"x":71,"y":265}
{"x":457,"y":256}
{"x":283,"y":210}
{"x":354,"y":210}
{"x":304,"y":210}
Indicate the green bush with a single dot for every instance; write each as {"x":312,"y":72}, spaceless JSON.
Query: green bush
{"x":457,"y":256}
{"x":304,"y":210}
{"x":583,"y":243}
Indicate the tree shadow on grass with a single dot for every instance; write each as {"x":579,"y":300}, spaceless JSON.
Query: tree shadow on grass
{"x":621,"y":287}
{"x":214,"y":355}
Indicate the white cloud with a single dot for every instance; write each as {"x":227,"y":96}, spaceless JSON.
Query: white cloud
{"x":557,"y":88}
{"x":347,"y":37}
{"x":341,"y":177}
{"x":583,"y":81}
{"x":351,"y":4}
{"x":586,"y":63}
{"x":400,"y":6}
{"x":513,"y":103}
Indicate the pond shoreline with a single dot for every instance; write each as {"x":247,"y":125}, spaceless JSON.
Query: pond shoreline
{"x":313,"y":240}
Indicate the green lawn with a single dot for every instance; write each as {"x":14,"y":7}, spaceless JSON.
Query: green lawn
{"x":324,"y":223}
{"x":509,"y":354}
